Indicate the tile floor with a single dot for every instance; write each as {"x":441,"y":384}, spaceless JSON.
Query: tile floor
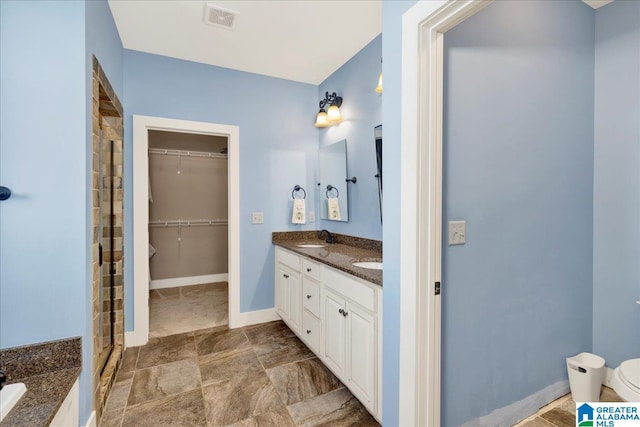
{"x":562,"y":412}
{"x":260,"y":375}
{"x":187,"y":308}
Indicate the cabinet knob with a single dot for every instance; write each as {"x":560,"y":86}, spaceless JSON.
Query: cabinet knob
{"x":286,"y":276}
{"x":341,"y":311}
{"x":308,"y":331}
{"x":345,"y":313}
{"x":308,"y":296}
{"x":308,"y":270}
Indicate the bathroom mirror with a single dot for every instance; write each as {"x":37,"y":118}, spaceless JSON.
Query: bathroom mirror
{"x":333,"y":187}
{"x":377,"y":132}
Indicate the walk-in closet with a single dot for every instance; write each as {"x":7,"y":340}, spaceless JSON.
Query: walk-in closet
{"x":188,"y":233}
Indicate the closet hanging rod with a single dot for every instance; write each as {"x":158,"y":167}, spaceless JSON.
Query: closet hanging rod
{"x":187,"y":222}
{"x":183,"y":153}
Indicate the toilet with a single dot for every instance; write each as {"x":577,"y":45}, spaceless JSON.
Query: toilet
{"x":626,"y":380}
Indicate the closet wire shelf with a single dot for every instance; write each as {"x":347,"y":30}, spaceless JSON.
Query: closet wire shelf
{"x":188,"y":222}
{"x":182,"y":153}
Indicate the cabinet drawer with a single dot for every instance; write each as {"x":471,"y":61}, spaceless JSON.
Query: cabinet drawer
{"x":288,"y":259}
{"x":310,"y":268}
{"x":311,"y":296}
{"x":311,"y":331}
{"x":350,"y":288}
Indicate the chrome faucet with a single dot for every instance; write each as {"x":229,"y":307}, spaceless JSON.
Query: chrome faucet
{"x":331,"y":239}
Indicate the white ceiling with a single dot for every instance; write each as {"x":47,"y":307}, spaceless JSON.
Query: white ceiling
{"x":300,"y":40}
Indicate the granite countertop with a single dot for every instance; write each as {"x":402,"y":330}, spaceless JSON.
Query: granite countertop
{"x":49,"y":370}
{"x":341,"y":255}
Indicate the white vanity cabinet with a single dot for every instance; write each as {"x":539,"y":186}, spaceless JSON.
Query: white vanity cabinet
{"x":351,"y":309}
{"x":69,"y":413}
{"x":341,"y":321}
{"x":288,"y":292}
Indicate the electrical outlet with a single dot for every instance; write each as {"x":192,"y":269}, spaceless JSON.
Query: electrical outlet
{"x":257,"y":218}
{"x":312,"y":216}
{"x":457,"y":232}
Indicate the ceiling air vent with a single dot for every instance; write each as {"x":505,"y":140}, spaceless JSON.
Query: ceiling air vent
{"x":219,"y":17}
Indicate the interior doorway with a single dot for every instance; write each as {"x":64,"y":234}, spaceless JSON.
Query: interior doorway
{"x":423,"y":29}
{"x":188,"y":232}
{"x":143,"y":126}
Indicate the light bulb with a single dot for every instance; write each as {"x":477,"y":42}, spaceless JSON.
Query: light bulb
{"x":379,"y":87}
{"x":333,"y":114}
{"x":321,"y":119}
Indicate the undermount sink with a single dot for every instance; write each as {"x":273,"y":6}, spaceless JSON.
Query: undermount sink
{"x":9,"y":396}
{"x":371,"y":265}
{"x":310,"y":245}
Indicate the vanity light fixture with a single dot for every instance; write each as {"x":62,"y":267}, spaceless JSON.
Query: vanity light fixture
{"x":332,"y":115}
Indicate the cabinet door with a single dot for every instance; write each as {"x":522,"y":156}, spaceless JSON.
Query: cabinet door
{"x":294,"y":288}
{"x":334,"y":332}
{"x":282,"y":292}
{"x":361,"y":342}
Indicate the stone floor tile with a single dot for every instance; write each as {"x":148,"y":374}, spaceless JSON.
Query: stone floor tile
{"x":240,"y":397}
{"x":186,"y":409}
{"x":165,"y":350}
{"x":303,"y":380}
{"x":337,"y":408}
{"x":164,"y":380}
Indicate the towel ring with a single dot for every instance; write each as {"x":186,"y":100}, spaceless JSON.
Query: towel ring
{"x":329,"y":188}
{"x":298,"y":188}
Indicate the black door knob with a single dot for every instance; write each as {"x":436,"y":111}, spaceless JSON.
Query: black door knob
{"x":5,"y":193}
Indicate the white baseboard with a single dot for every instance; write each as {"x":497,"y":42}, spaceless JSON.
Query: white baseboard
{"x":91,"y":421}
{"x":518,"y":411}
{"x":133,"y":339}
{"x":255,"y":317}
{"x":188,"y":281}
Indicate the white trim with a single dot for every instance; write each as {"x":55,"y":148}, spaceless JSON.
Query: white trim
{"x":255,"y":317}
{"x":520,"y":410}
{"x":188,"y":281}
{"x":141,"y":126}
{"x":91,"y":421}
{"x":421,"y":198}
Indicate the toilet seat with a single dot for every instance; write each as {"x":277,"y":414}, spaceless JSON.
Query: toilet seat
{"x":626,"y":380}
{"x":630,"y":373}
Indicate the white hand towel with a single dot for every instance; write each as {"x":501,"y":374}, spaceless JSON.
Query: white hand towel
{"x":334,"y":208}
{"x":299,"y":212}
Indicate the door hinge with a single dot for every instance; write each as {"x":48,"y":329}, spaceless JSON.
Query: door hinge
{"x":437,"y":288}
{"x":112,"y":268}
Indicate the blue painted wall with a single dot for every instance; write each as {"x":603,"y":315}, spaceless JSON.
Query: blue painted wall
{"x":616,"y":230}
{"x":44,"y":291}
{"x":355,"y":81}
{"x":392,"y":68}
{"x":278,"y":149}
{"x":518,"y":167}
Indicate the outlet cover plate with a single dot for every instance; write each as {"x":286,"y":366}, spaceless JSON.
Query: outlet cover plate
{"x":457,"y":232}
{"x":257,"y":218}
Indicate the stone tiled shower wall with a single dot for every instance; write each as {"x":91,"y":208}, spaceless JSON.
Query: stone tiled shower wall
{"x":107,"y":117}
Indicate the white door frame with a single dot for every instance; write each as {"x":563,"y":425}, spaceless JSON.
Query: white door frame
{"x":141,"y":127}
{"x":423,"y":27}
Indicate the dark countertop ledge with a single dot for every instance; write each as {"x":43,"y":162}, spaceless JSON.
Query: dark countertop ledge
{"x":49,"y":370}
{"x":341,"y":255}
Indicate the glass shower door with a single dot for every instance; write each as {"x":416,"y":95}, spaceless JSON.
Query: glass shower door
{"x":105,"y":252}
